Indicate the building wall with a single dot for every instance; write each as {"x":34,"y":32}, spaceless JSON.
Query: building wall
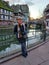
{"x":46,"y":14}
{"x":6,"y":17}
{"x":47,"y":18}
{"x":24,"y":9}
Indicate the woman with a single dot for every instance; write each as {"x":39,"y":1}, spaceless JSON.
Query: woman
{"x":21,"y":36}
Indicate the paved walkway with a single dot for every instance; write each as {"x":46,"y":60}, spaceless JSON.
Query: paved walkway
{"x":38,"y":56}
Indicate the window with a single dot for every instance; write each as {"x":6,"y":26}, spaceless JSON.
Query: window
{"x":1,"y":16}
{"x":47,"y":17}
{"x":6,"y":17}
{"x":5,"y":11}
{"x":1,"y":10}
{"x":10,"y":18}
{"x":10,"y":13}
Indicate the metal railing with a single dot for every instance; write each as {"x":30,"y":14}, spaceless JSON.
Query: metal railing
{"x":9,"y":44}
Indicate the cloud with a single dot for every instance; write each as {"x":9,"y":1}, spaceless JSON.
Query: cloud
{"x":29,"y":2}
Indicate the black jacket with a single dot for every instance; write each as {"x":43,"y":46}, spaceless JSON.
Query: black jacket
{"x":15,"y":29}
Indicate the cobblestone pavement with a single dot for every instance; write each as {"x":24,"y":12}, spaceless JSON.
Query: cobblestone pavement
{"x":38,"y":56}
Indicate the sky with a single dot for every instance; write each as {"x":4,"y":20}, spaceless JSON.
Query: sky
{"x":36,"y":7}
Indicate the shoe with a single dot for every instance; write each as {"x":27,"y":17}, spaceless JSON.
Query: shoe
{"x":25,"y":55}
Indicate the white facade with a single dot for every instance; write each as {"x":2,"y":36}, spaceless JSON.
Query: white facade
{"x":6,"y":16}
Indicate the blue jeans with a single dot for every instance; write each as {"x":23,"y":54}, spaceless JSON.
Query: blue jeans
{"x":23,"y":46}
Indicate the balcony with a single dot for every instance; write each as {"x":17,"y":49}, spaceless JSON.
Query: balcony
{"x":47,"y":19}
{"x":1,"y":13}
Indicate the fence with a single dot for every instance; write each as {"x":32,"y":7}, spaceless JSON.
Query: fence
{"x":9,"y":44}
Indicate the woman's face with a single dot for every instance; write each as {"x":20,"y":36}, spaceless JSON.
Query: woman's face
{"x":20,"y":21}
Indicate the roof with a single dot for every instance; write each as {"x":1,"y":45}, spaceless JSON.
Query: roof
{"x":47,"y":8}
{"x":24,"y":8}
{"x":5,"y":5}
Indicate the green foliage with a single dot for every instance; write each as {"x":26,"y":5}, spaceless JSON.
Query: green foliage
{"x":38,"y":26}
{"x":7,"y":38}
{"x":4,"y":47}
{"x":5,"y":5}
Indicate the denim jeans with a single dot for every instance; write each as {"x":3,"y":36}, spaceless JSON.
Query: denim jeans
{"x":23,"y":46}
{"x":24,"y":49}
